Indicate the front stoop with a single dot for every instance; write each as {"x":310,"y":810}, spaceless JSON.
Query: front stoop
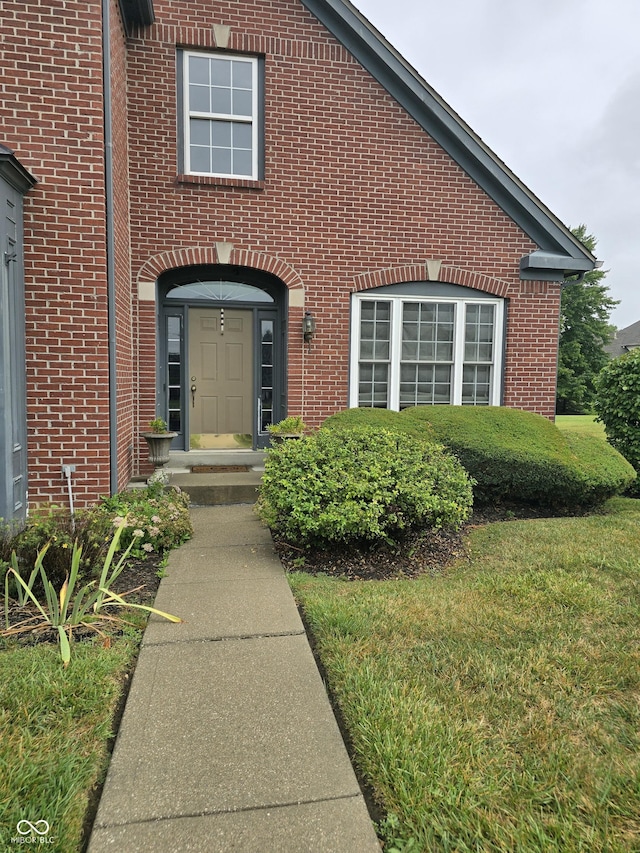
{"x":216,"y":488}
{"x":239,"y":487}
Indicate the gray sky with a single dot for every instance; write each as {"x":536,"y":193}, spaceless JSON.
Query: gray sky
{"x":553,"y":87}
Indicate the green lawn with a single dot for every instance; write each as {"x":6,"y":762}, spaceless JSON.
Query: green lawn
{"x":496,"y":707}
{"x":581,"y":423}
{"x":56,"y":725}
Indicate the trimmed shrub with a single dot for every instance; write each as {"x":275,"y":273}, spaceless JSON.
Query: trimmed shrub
{"x":359,"y":485}
{"x":381,"y":419}
{"x":617,"y":406}
{"x":522,"y":458}
{"x":605,"y":471}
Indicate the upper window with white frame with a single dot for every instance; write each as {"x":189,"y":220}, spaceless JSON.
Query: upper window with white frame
{"x":220,"y":98}
{"x":412,"y":350}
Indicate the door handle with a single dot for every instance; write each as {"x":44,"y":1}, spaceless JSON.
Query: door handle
{"x":193,"y":396}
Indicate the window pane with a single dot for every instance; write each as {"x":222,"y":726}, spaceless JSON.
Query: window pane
{"x":242,"y":74}
{"x":375,"y":331}
{"x":266,"y":374}
{"x":242,"y":136}
{"x":373,"y":386}
{"x":479,"y":333}
{"x":221,"y":72}
{"x":242,"y":103}
{"x":199,"y":69}
{"x":200,"y":132}
{"x":200,"y":159}
{"x":222,"y":161}
{"x":476,"y":385}
{"x":242,"y":163}
{"x":221,"y":100}
{"x":199,"y":99}
{"x":424,"y":384}
{"x":221,"y":133}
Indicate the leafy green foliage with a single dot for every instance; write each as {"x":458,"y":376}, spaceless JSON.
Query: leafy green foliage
{"x":54,"y":526}
{"x":72,"y":605}
{"x":360,"y":484}
{"x":155,"y":519}
{"x":617,"y":404}
{"x":292,"y":425}
{"x":584,"y":332}
{"x":522,"y":458}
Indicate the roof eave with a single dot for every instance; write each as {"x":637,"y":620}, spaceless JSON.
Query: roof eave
{"x":137,"y":13}
{"x":437,"y":118}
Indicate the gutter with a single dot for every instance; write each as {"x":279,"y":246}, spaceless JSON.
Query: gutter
{"x":110,"y":239}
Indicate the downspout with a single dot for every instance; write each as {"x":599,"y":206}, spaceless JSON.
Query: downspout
{"x":110,"y":238}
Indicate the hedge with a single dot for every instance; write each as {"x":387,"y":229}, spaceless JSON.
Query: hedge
{"x":522,"y":458}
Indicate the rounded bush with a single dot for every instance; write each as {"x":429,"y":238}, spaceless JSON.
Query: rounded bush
{"x":522,"y":458}
{"x":617,"y":405}
{"x":360,"y":484}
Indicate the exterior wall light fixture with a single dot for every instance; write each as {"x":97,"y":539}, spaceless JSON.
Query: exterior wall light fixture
{"x":308,"y":327}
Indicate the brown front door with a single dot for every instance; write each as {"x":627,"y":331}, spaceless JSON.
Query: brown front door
{"x":221,"y":386}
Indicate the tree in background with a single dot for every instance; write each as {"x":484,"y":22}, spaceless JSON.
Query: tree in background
{"x":584,"y":332}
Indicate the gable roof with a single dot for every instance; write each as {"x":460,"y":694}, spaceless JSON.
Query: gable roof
{"x":625,"y":340}
{"x":560,"y":254}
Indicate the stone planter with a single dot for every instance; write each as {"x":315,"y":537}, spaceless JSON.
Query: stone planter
{"x":159,"y":444}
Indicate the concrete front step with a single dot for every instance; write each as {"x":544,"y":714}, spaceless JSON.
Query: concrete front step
{"x":238,"y":487}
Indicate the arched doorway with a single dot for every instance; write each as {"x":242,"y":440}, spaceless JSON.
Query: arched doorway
{"x":221,"y":369}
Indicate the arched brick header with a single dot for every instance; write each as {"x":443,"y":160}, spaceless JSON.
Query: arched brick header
{"x":420,"y":272}
{"x":195,"y":255}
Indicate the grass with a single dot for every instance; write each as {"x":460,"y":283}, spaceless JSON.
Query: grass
{"x":496,"y":707}
{"x":581,"y":423}
{"x":56,"y":726}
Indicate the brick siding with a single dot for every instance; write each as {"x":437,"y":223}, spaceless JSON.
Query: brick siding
{"x":354,"y":194}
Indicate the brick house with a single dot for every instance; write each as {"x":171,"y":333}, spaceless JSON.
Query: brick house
{"x":185,"y":183}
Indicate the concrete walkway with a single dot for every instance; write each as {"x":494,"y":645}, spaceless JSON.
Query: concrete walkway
{"x":228,"y":741}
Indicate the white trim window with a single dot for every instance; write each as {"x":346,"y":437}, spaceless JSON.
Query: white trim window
{"x":220,"y":99}
{"x":424,"y":351}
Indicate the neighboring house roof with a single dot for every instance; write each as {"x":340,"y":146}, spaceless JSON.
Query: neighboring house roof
{"x":625,"y":339}
{"x":560,"y":254}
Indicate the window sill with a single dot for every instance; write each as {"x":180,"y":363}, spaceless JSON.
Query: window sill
{"x":211,"y":181}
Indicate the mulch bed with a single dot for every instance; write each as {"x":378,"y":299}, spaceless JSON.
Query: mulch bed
{"x":418,"y":554}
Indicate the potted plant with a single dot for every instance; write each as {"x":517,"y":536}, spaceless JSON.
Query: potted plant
{"x":290,"y":427}
{"x":159,"y":440}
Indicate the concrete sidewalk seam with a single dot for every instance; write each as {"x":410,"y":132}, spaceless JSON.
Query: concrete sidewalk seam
{"x":243,"y":810}
{"x":226,"y":638}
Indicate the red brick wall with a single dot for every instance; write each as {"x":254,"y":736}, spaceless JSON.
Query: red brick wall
{"x":352,"y":186}
{"x":354,"y":193}
{"x":51,"y":103}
